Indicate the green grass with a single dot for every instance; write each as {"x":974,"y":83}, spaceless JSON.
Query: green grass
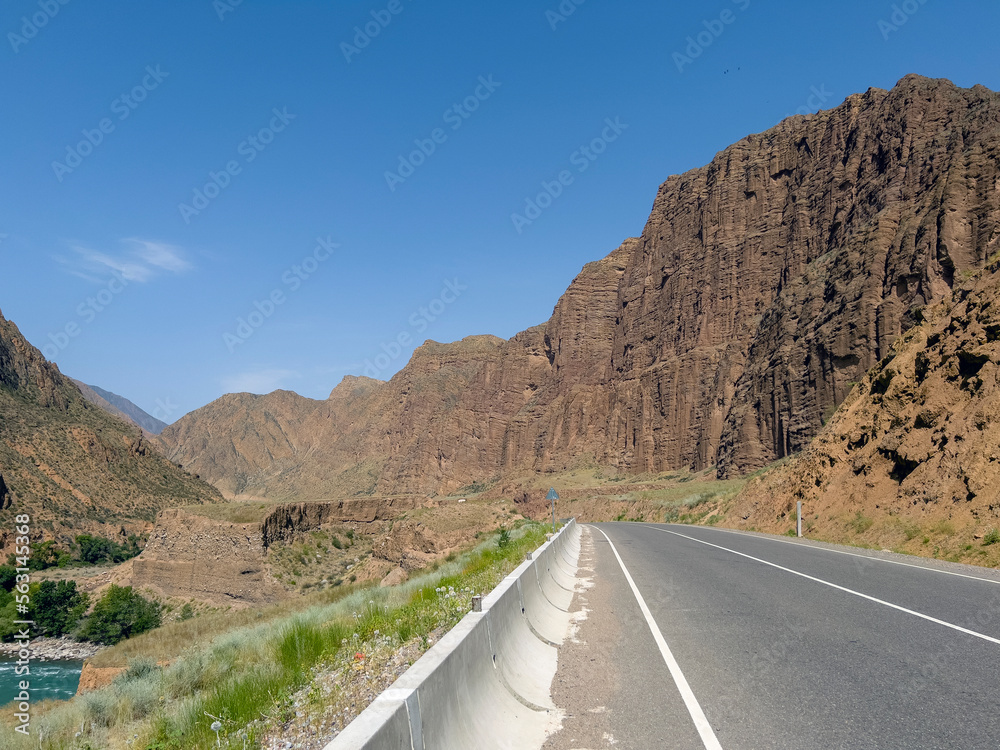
{"x":860,"y":523}
{"x":991,"y":537}
{"x":240,"y":675}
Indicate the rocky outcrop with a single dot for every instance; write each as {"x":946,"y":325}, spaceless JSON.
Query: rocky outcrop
{"x":6,"y":498}
{"x":771,"y":279}
{"x":915,"y":442}
{"x":763,"y":286}
{"x":288,"y":522}
{"x":195,"y":557}
{"x":225,"y":554}
{"x":71,"y":466}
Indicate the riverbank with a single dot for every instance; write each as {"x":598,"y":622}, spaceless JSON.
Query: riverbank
{"x":53,"y":649}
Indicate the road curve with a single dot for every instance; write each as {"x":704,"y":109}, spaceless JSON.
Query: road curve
{"x":706,"y":638}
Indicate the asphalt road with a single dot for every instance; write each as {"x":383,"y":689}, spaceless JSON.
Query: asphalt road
{"x":778,"y":645}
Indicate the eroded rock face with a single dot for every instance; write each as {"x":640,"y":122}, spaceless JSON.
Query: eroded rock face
{"x":6,"y":499}
{"x":771,"y":279}
{"x":916,"y":440}
{"x":762,"y":287}
{"x":195,"y":557}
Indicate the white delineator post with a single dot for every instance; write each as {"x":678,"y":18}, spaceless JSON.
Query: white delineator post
{"x":798,"y":519}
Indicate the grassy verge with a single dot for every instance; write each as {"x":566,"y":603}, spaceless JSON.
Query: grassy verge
{"x":241,"y":679}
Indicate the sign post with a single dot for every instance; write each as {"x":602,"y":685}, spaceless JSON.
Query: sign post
{"x":553,"y":496}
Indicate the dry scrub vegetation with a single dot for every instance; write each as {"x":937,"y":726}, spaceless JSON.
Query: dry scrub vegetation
{"x":251,"y":671}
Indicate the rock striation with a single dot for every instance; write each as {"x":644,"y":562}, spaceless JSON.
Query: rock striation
{"x":763,"y":286}
{"x":915,"y":442}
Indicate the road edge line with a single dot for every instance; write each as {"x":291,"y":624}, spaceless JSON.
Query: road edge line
{"x":708,"y":738}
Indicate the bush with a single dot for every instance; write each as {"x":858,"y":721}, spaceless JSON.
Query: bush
{"x":96,"y":549}
{"x":121,"y":613}
{"x":44,"y":555}
{"x":504,"y":539}
{"x":8,"y":577}
{"x":57,"y":607}
{"x":992,"y":537}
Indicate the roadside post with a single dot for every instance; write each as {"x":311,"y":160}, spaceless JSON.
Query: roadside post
{"x":553,"y":496}
{"x":798,"y":519}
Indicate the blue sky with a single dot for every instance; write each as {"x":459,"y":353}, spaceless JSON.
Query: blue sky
{"x":200,"y":197}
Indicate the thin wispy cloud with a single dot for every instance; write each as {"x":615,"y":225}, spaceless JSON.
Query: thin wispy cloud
{"x":260,"y":381}
{"x":139,"y":261}
{"x":159,"y":254}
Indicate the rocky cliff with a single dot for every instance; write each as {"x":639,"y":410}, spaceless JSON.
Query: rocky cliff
{"x":911,"y":454}
{"x":764,"y":284}
{"x":243,"y":554}
{"x":70,"y":465}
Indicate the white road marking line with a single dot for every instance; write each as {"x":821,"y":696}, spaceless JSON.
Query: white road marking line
{"x":708,"y":737}
{"x":835,"y":586}
{"x":855,"y":554}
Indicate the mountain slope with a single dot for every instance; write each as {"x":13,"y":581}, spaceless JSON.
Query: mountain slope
{"x":69,"y":464}
{"x":121,"y":407}
{"x":763,"y":285}
{"x":911,"y":455}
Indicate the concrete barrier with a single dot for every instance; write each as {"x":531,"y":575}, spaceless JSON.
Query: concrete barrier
{"x":487,"y":683}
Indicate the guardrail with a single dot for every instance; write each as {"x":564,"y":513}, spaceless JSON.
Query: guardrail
{"x":486,"y":683}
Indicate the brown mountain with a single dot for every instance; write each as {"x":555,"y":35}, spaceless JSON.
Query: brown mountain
{"x":70,"y":465}
{"x":911,"y":455}
{"x":763,"y":285}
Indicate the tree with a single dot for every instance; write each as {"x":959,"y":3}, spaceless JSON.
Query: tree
{"x":44,"y":555}
{"x":94,"y":549}
{"x":121,"y":613}
{"x":57,"y":607}
{"x":8,"y":577}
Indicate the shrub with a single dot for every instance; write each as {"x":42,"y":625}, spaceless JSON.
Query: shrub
{"x":97,"y":549}
{"x":992,"y":537}
{"x":44,"y":555}
{"x":504,"y":539}
{"x":121,"y":613}
{"x":57,"y":607}
{"x":8,"y":577}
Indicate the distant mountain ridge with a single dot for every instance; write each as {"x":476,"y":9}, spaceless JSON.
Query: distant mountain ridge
{"x":764,"y":285}
{"x":121,"y":407}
